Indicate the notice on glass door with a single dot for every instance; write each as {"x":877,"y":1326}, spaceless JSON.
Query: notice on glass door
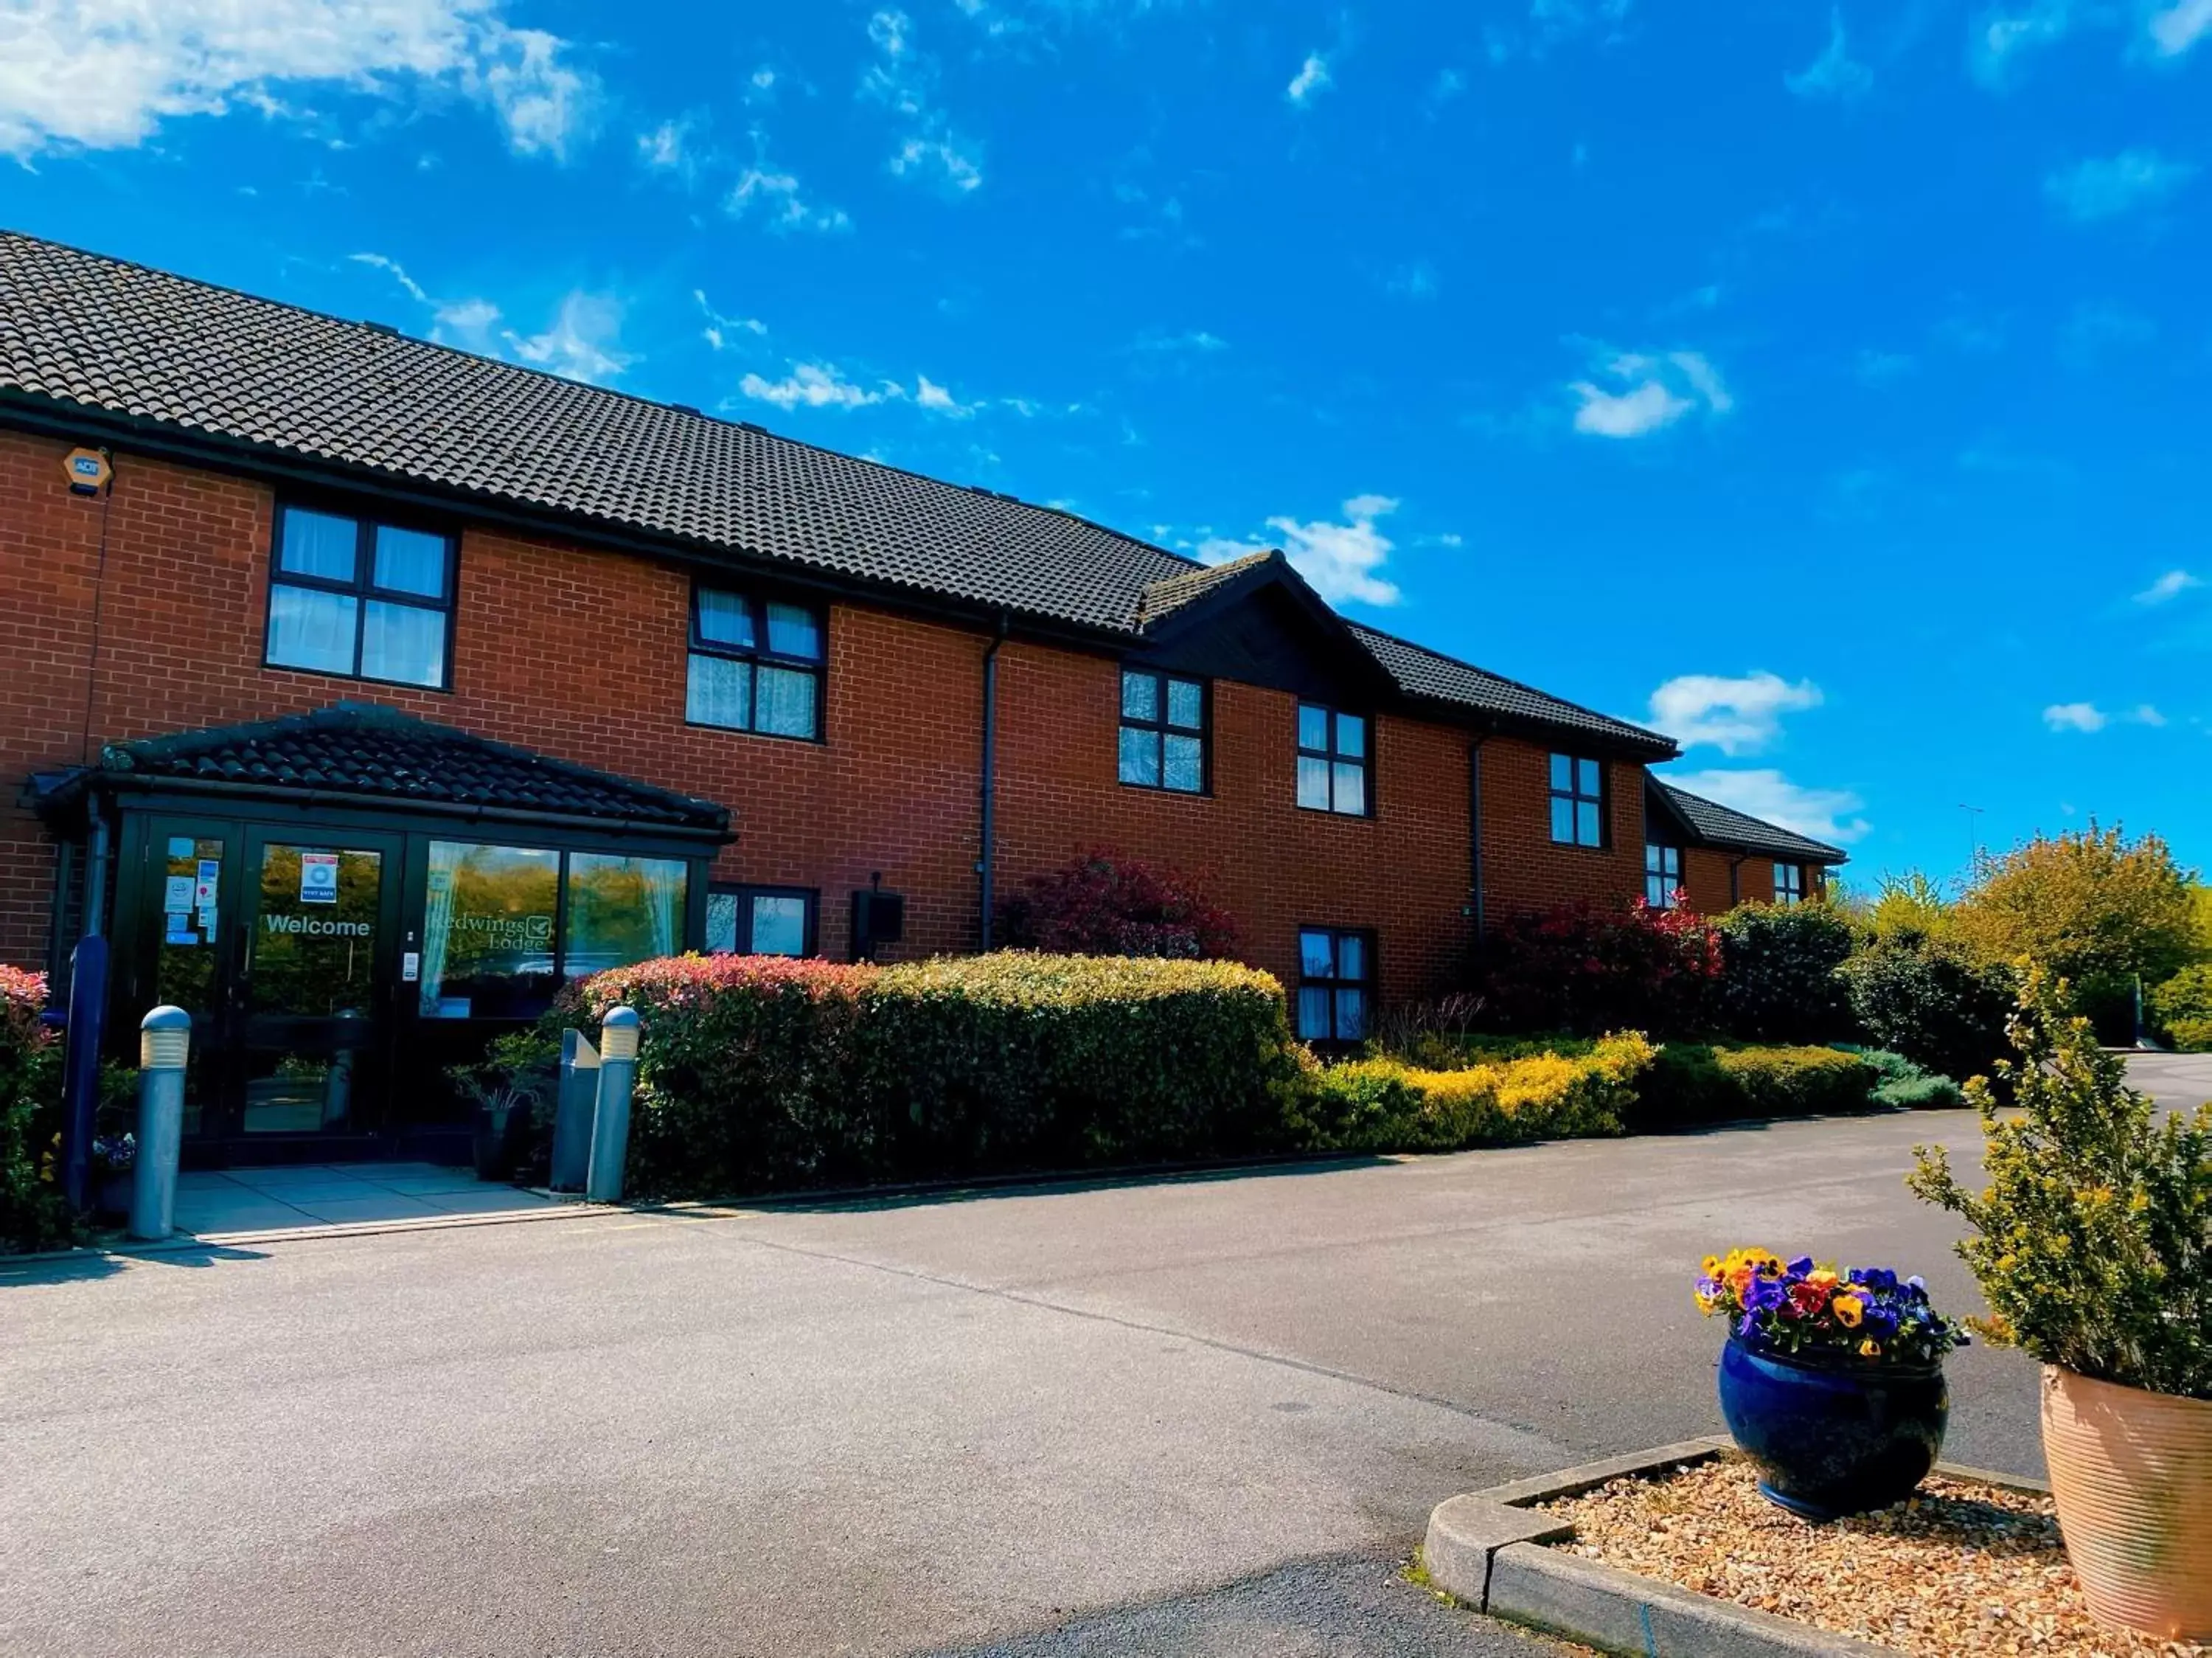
{"x":178,"y":894}
{"x":319,"y":877}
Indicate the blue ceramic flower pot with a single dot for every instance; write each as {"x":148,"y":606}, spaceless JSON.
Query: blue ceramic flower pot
{"x":1836,"y":1437}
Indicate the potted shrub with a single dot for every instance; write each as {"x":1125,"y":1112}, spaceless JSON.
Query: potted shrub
{"x":2092,"y":1243}
{"x":1831,"y":1381}
{"x":114,"y":1158}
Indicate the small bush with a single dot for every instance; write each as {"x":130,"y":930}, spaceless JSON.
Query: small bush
{"x":33,"y":1215}
{"x":1695,"y":1083}
{"x":1931,"y":1002}
{"x":2191,"y":1035}
{"x":1587,"y":969}
{"x":2181,"y":1008}
{"x":1386,"y":1105}
{"x":1778,"y":979}
{"x":1905,"y":1085}
{"x":1105,"y":904}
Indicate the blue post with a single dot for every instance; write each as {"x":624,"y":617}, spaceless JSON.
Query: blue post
{"x":165,"y":1042}
{"x":81,"y":1044}
{"x":603,"y":1180}
{"x":572,"y":1120}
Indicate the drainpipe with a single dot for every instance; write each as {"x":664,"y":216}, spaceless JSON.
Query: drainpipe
{"x":986,"y":860}
{"x":1474,"y":832}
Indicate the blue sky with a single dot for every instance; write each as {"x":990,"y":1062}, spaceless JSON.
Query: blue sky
{"x":1827,"y":384}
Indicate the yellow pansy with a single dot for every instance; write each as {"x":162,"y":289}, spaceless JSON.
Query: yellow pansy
{"x":1870,"y":1349}
{"x":1847,"y":1309}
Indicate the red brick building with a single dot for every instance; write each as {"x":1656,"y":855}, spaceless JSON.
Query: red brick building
{"x":360,"y":689}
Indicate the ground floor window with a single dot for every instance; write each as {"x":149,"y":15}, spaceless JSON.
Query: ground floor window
{"x":760,"y":921}
{"x":1788,"y":883}
{"x":1336,"y":981}
{"x":502,"y":926}
{"x":1663,"y":875}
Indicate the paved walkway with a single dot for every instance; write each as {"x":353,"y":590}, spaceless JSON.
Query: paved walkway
{"x":1183,"y":1417}
{"x":214,"y":1203}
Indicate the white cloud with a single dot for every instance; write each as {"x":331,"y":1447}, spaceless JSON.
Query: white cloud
{"x":106,"y":77}
{"x":2002,"y":39}
{"x":1828,"y":815}
{"x":720,"y":328}
{"x":1343,"y":561}
{"x":2145,"y":714}
{"x":1832,"y":74}
{"x":1312,"y":77}
{"x":1650,"y":391}
{"x":809,"y":385}
{"x":398,"y":273}
{"x":1735,"y":716}
{"x":2180,"y":27}
{"x":2102,"y":188}
{"x":1195,"y":339}
{"x":905,"y":83}
{"x":778,"y":196}
{"x":2087,"y":717}
{"x":2172,"y":585}
{"x":928,"y":394}
{"x":666,"y":148}
{"x":581,"y":341}
{"x":467,"y":321}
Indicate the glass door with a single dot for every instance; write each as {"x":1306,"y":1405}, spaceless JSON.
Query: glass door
{"x":192,"y":879}
{"x":317,"y":920}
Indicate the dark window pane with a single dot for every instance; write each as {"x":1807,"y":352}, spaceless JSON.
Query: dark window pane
{"x":1589,"y":779}
{"x":725,"y":618}
{"x":1563,"y":773}
{"x":1317,"y":955}
{"x":1586,"y":824}
{"x":721,"y":924}
{"x":1312,"y":1015}
{"x":1563,"y":820}
{"x":311,"y":629}
{"x":1140,"y":757}
{"x":1352,"y":737}
{"x":1313,"y":782}
{"x":408,"y":561}
{"x":1183,"y":763}
{"x":1350,"y":956}
{"x":319,"y":545}
{"x":1313,"y":727}
{"x":621,"y":910}
{"x":786,"y":702}
{"x":792,"y":631}
{"x":1352,"y":1016}
{"x":1351,"y":788}
{"x":719,"y":692}
{"x":1140,"y":696}
{"x":1186,"y":705}
{"x":778,"y":925}
{"x":405,"y":643}
{"x":487,"y":932}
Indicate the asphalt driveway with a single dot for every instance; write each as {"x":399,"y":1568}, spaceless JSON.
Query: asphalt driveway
{"x":1190,"y":1416}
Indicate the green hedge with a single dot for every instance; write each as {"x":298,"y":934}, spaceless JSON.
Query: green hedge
{"x":1694,"y":1083}
{"x":1386,"y":1105}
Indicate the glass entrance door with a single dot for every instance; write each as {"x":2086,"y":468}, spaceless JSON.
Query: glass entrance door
{"x":317,"y":918}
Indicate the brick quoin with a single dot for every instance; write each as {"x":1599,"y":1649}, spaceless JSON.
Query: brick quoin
{"x":580,"y":653}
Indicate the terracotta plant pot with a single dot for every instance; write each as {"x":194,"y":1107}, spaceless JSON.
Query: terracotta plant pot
{"x":2132,"y":1472}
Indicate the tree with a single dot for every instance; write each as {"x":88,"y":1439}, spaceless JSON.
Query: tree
{"x":2089,"y":906}
{"x":1908,"y":908}
{"x":1106,"y":903}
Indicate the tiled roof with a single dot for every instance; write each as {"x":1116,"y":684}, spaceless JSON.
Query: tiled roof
{"x":1723,"y":825}
{"x":359,"y":749}
{"x":1189,"y":585}
{"x":1421,"y":672}
{"x":77,"y":329}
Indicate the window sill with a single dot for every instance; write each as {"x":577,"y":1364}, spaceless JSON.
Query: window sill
{"x":1161,"y":789}
{"x":747,"y":731}
{"x":358,"y":679}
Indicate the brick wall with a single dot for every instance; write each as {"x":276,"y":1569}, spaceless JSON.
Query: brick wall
{"x":581,"y":654}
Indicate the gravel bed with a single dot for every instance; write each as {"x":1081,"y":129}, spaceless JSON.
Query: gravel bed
{"x":1957,"y":1570}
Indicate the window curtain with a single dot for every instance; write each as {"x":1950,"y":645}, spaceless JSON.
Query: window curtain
{"x":445,"y":858}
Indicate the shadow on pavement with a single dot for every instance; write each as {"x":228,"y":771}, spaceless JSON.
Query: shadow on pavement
{"x":98,"y":1263}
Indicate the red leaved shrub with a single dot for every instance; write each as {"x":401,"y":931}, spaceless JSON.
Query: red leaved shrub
{"x":1105,"y":903}
{"x":1582,"y":968}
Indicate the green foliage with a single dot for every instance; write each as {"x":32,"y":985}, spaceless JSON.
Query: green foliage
{"x":1906,"y":1086}
{"x":33,"y":1214}
{"x":1696,"y":1082}
{"x":2181,"y":1008}
{"x":1907,"y":909}
{"x":1777,"y":973}
{"x":1386,"y":1105}
{"x":2092,"y":1238}
{"x":1931,"y":1001}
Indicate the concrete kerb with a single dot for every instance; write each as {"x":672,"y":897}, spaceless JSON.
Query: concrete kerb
{"x":1488,"y":1549}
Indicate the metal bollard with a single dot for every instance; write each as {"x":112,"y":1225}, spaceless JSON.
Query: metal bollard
{"x":571,"y":1118}
{"x":165,"y":1042}
{"x":603,"y":1180}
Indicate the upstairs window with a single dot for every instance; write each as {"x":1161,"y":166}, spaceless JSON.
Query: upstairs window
{"x":1663,"y":875}
{"x":353,"y":596}
{"x":755,"y":664}
{"x":1788,"y":883}
{"x":1336,"y":981}
{"x":1332,"y":760}
{"x":1163,"y":731}
{"x":760,"y":921}
{"x":1577,"y":801}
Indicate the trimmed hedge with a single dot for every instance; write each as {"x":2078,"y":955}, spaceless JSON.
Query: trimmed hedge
{"x":1778,"y":980}
{"x":757,"y":1072}
{"x":32,"y":1213}
{"x":1384,"y":1106}
{"x":1933,"y":1002}
{"x":1692,"y":1082}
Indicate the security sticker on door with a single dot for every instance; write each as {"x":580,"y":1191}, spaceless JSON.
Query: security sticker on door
{"x":177,"y":894}
{"x":319,"y":877}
